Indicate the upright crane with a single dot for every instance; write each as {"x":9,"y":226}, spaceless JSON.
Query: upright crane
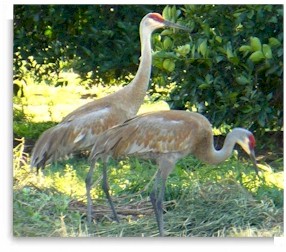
{"x":166,"y":137}
{"x":79,"y":129}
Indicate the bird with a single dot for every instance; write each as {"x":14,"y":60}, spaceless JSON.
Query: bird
{"x":79,"y":129}
{"x":165,"y":137}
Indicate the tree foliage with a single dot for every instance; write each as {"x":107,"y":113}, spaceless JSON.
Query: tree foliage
{"x":230,"y":68}
{"x":86,"y":38}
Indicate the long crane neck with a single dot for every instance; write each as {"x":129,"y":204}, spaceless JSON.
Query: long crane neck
{"x":217,"y":156}
{"x":136,"y":90}
{"x":144,"y":71}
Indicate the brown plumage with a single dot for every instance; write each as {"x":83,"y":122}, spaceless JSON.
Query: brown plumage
{"x":79,"y":129}
{"x":166,"y":137}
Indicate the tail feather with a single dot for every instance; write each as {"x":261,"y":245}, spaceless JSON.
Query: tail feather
{"x":54,"y":144}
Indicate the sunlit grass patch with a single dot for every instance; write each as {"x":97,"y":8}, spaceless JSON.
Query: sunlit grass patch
{"x":153,"y":106}
{"x":50,"y":103}
{"x":39,"y":214}
{"x":214,"y":209}
{"x":276,"y":231}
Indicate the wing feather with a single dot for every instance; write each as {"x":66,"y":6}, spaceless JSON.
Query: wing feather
{"x":157,"y":132}
{"x":74,"y":134}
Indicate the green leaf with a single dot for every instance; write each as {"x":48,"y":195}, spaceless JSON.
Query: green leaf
{"x":245,"y":48}
{"x":242,"y":80}
{"x":273,"y":42}
{"x":234,"y":60}
{"x":236,"y":14}
{"x":204,"y":86}
{"x":169,"y":65}
{"x":261,"y":119}
{"x":87,"y":51}
{"x":166,"y":32}
{"x":273,"y":20}
{"x":203,"y":48}
{"x":219,"y":58}
{"x":243,"y":98}
{"x":48,"y":32}
{"x":183,"y":50}
{"x":168,"y":43}
{"x":232,"y":96}
{"x":272,"y":70}
{"x":229,"y":52}
{"x":218,"y":39}
{"x":174,"y":12}
{"x":167,"y":13}
{"x":267,"y":51}
{"x":246,"y":109}
{"x":193,"y":51}
{"x":256,"y":56}
{"x":255,"y":44}
{"x":269,"y":96}
{"x":209,"y":78}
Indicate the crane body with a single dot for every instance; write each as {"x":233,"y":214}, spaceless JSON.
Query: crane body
{"x":166,"y":137}
{"x":79,"y":129}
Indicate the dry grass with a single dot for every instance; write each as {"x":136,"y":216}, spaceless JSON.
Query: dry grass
{"x":204,"y":210}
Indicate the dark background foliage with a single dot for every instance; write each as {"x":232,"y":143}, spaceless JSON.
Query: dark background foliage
{"x":230,"y":68}
{"x":99,"y":38}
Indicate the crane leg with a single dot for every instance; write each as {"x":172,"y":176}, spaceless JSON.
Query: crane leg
{"x":166,"y":165}
{"x":105,"y":187}
{"x":88,"y":184}
{"x":157,"y":197}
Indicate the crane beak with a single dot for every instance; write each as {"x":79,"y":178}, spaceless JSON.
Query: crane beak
{"x":177,"y":26}
{"x":253,"y":159}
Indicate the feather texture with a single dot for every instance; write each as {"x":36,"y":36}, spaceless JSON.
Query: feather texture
{"x":76,"y":133}
{"x":154,"y":134}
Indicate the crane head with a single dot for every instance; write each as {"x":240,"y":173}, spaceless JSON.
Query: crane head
{"x":247,"y":141}
{"x":155,"y":21}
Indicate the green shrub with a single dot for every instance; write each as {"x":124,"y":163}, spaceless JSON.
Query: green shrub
{"x":231,"y":69}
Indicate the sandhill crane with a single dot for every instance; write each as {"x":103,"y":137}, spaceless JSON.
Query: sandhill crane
{"x":79,"y":129}
{"x":166,"y":137}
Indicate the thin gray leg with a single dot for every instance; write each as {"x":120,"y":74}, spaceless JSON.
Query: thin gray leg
{"x":157,"y":197}
{"x":88,"y":184}
{"x":105,"y":187}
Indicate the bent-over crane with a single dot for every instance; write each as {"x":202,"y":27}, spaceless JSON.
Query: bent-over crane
{"x":166,"y":137}
{"x":79,"y":129}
